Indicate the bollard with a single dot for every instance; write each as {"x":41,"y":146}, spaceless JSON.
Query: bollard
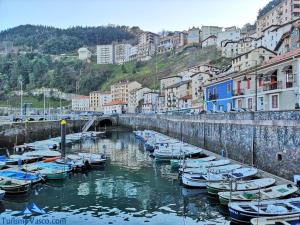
{"x":63,"y":124}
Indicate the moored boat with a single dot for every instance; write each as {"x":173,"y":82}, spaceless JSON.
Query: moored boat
{"x":279,"y":191}
{"x":200,"y":181}
{"x":93,"y":159}
{"x":243,"y":212}
{"x":43,"y":153}
{"x":277,"y":220}
{"x":13,"y":187}
{"x":216,"y":169}
{"x":175,"y":163}
{"x":20,"y":175}
{"x":247,"y":185}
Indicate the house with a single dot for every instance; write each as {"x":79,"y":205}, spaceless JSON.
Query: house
{"x":198,"y":81}
{"x":252,"y":58}
{"x":136,"y":99}
{"x":161,"y":106}
{"x":209,"y":41}
{"x":185,"y":102}
{"x":115,"y":107}
{"x":150,"y":102}
{"x":274,"y":85}
{"x":208,"y":31}
{"x":168,"y":81}
{"x":194,"y":36}
{"x":84,"y":54}
{"x":229,"y":34}
{"x":81,"y":103}
{"x":218,"y":94}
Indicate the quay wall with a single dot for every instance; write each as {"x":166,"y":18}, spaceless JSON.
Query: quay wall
{"x":25,"y":132}
{"x":268,"y":140}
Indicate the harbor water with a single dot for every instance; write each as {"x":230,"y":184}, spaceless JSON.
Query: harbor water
{"x":131,"y":189}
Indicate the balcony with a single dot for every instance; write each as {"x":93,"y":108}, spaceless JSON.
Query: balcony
{"x":273,"y":86}
{"x":238,"y":92}
{"x":213,"y":97}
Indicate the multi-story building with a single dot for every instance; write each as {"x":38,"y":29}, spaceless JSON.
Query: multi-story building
{"x":166,"y":44}
{"x":175,"y":92}
{"x":229,"y":34}
{"x":252,"y":58}
{"x":135,"y":99}
{"x":133,"y":53}
{"x":210,"y":41}
{"x":150,"y":102}
{"x":81,"y":103}
{"x":84,"y":54}
{"x":194,"y":36}
{"x":232,"y":49}
{"x":274,"y":85}
{"x":122,"y":53}
{"x":105,"y":54}
{"x":182,"y":39}
{"x":161,"y":106}
{"x":98,"y":100}
{"x":115,"y":107}
{"x":168,"y":81}
{"x":198,"y":81}
{"x":277,"y":12}
{"x":147,"y":44}
{"x":289,"y":40}
{"x":120,"y":91}
{"x":208,"y":31}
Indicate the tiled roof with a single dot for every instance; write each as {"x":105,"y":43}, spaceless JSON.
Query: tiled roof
{"x":116,"y":102}
{"x":283,"y":57}
{"x":187,"y":97}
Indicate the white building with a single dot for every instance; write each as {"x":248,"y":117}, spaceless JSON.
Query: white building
{"x":98,"y":100}
{"x":84,"y":54}
{"x":209,"y":41}
{"x":147,"y":44}
{"x":229,"y":34}
{"x":135,"y":99}
{"x":81,"y":103}
{"x":105,"y":54}
{"x":122,"y":53}
{"x":133,"y":53}
{"x":115,"y":107}
{"x":150,"y":102}
{"x":208,"y":31}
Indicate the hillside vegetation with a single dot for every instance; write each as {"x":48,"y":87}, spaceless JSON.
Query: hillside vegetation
{"x":51,"y":40}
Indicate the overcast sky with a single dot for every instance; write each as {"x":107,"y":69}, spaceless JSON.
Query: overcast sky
{"x":152,"y":15}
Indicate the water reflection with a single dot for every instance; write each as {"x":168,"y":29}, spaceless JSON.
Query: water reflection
{"x":132,"y":189}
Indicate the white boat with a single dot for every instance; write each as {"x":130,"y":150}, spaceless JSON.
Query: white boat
{"x":246,"y":185}
{"x":43,"y":153}
{"x":279,"y":191}
{"x":243,"y":212}
{"x":162,"y":155}
{"x":200,"y":181}
{"x":217,"y":169}
{"x":221,"y":162}
{"x":277,"y":220}
{"x":93,"y":159}
{"x":175,"y":163}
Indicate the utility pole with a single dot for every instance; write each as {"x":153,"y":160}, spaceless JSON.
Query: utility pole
{"x":21,"y":113}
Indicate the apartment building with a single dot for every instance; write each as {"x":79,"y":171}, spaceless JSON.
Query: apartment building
{"x":135,"y":99}
{"x":122,"y":53}
{"x":289,"y":40}
{"x":198,"y":81}
{"x":194,"y":36}
{"x":84,"y":53}
{"x":277,"y":12}
{"x":120,"y":91}
{"x":81,"y":103}
{"x":275,"y":84}
{"x":208,"y":31}
{"x":210,"y":41}
{"x":166,"y":44}
{"x":252,"y":58}
{"x":161,"y":106}
{"x":232,"y":49}
{"x":115,"y":107}
{"x":168,"y":81}
{"x":105,"y":54}
{"x":229,"y":34}
{"x":150,"y":102}
{"x":98,"y":100}
{"x":147,"y":44}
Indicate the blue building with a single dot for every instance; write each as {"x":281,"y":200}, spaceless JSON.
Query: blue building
{"x":219,"y":96}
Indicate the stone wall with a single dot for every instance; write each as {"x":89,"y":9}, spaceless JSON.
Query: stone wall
{"x":268,"y":140}
{"x":19,"y":133}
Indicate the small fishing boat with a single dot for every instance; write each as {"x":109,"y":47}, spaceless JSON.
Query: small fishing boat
{"x":175,"y":163}
{"x":243,"y":212}
{"x":217,"y":169}
{"x":43,"y":153}
{"x":52,"y":159}
{"x":279,"y":191}
{"x":277,"y":220}
{"x":48,"y":173}
{"x":93,"y":159}
{"x":166,"y":155}
{"x":76,"y":165}
{"x":23,"y":158}
{"x":13,"y":187}
{"x":221,"y":162}
{"x":247,"y":185}
{"x":200,"y":181}
{"x":52,"y":165}
{"x":20,"y":175}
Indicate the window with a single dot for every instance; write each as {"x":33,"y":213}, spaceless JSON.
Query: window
{"x":248,"y":83}
{"x":274,"y":101}
{"x":240,"y":103}
{"x":260,"y":82}
{"x":250,"y":103}
{"x":228,"y":87}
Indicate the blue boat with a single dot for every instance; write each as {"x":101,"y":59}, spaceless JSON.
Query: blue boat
{"x":243,"y":212}
{"x":57,"y":166}
{"x":19,"y":175}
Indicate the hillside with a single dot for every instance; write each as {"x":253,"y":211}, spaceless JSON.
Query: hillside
{"x":51,"y":40}
{"x":75,"y":76}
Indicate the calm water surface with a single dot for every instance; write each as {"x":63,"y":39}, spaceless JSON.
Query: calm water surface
{"x":131,"y":189}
